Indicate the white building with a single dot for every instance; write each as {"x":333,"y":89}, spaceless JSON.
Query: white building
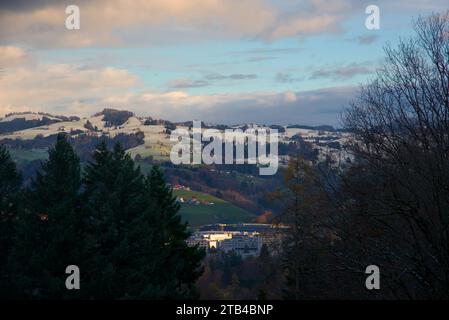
{"x":244,"y":244}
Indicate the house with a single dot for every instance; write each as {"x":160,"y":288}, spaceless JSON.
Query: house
{"x":181,"y":200}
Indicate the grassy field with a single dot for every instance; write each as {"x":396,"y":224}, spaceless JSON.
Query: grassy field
{"x":197,"y":215}
{"x":188,"y":194}
{"x":220,"y":212}
{"x":157,"y":151}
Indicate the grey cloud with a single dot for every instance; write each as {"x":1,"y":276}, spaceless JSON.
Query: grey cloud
{"x":236,"y":76}
{"x":344,"y":72}
{"x":283,"y":77}
{"x":315,"y":107}
{"x":187,"y":83}
{"x":264,"y":54}
{"x":190,"y":83}
{"x":265,"y":51}
{"x":130,"y":23}
{"x":25,"y":5}
{"x":258,"y":59}
{"x":367,"y":39}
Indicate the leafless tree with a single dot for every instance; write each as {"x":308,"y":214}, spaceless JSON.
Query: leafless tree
{"x":399,"y":190}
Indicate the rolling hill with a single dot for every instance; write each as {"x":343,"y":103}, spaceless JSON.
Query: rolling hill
{"x":28,"y":135}
{"x":208,"y":210}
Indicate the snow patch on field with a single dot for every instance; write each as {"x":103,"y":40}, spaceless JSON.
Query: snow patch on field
{"x":27,"y":116}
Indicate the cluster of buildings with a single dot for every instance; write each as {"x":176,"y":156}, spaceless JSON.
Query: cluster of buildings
{"x":180,"y":187}
{"x":190,"y":200}
{"x":244,"y":239}
{"x":194,"y":200}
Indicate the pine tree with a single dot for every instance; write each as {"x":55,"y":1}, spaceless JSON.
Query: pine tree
{"x":50,"y":231}
{"x":182,"y":262}
{"x":167,"y":207}
{"x":114,"y":201}
{"x":137,"y":243}
{"x":10,"y":182}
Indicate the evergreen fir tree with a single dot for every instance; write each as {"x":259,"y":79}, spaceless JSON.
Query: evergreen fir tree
{"x":50,"y":231}
{"x":182,"y":263}
{"x":167,"y":207}
{"x":135,"y":247}
{"x":123,"y":231}
{"x":113,"y":200}
{"x":10,"y":182}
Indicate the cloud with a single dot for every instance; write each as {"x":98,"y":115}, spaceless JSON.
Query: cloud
{"x":307,"y":107}
{"x":187,"y":83}
{"x":367,"y":39}
{"x":264,"y":54}
{"x":133,"y":22}
{"x":235,"y":76}
{"x":26,"y":5}
{"x":137,"y":22}
{"x":343,"y":72}
{"x":40,"y":23}
{"x":56,"y":87}
{"x":290,"y":96}
{"x":283,"y":77}
{"x":258,"y":59}
{"x":12,"y":56}
{"x":303,"y":25}
{"x":83,"y":90}
{"x":264,"y":51}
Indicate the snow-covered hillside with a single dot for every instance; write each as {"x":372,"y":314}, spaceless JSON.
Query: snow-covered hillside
{"x":157,"y":142}
{"x":29,"y":116}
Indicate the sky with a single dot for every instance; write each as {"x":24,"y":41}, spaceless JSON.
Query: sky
{"x":219,"y":61}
